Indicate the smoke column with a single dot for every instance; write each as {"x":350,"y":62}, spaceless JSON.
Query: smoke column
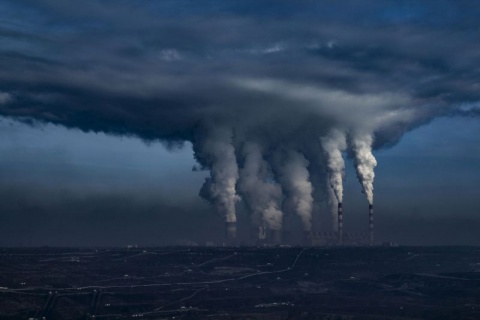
{"x":216,"y":150}
{"x":365,"y":162}
{"x":333,"y":145}
{"x":262,"y":194}
{"x":295,"y":181}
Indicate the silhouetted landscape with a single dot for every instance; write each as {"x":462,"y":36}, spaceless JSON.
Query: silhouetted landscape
{"x":241,"y":283}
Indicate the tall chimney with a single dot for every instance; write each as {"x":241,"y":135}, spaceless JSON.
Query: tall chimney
{"x":231,"y":232}
{"x":370,"y":225}
{"x":340,"y":224}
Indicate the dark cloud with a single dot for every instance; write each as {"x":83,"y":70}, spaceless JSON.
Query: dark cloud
{"x":158,"y":71}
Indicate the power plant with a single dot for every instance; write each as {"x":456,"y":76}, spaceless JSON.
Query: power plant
{"x":345,"y":238}
{"x":266,"y":236}
{"x":339,"y":237}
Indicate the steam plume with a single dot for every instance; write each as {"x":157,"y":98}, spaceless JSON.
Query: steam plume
{"x":365,"y":162}
{"x":333,"y":145}
{"x":262,"y":194}
{"x":217,"y":153}
{"x":295,"y":180}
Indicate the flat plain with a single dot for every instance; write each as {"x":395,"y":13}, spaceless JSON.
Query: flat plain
{"x":240,"y":283}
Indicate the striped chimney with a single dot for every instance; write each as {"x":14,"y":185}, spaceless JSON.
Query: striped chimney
{"x":340,"y":223}
{"x":370,"y":223}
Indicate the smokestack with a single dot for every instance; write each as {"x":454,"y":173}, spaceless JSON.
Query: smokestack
{"x":370,"y":225}
{"x":276,"y":236}
{"x":231,"y":232}
{"x":340,"y":223}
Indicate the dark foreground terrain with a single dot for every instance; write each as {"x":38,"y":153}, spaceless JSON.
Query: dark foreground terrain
{"x":241,"y":283}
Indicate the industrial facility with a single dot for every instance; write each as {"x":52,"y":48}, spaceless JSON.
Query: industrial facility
{"x":268,"y":237}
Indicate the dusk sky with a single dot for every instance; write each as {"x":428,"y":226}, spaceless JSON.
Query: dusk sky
{"x":114,"y":114}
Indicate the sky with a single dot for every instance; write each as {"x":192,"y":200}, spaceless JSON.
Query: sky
{"x":128,"y":122}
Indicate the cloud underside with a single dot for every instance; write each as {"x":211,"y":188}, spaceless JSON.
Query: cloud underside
{"x":166,"y":70}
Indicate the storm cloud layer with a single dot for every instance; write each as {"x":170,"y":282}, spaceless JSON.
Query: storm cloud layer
{"x":223,"y":74}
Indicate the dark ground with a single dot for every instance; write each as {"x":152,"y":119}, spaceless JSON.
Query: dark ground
{"x":241,"y":283}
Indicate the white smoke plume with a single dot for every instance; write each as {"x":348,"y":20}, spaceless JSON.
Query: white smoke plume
{"x":262,"y":194}
{"x":295,"y":180}
{"x":365,"y":162}
{"x":333,"y":145}
{"x":219,"y":154}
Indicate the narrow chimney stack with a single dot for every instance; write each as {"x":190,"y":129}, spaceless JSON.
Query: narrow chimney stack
{"x":370,"y":225}
{"x":340,"y":224}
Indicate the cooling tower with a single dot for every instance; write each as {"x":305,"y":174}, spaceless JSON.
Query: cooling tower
{"x":276,"y":236}
{"x":370,"y":224}
{"x":286,"y":236}
{"x":340,"y":224}
{"x":231,"y":232}
{"x":307,"y":238}
{"x":262,"y":233}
